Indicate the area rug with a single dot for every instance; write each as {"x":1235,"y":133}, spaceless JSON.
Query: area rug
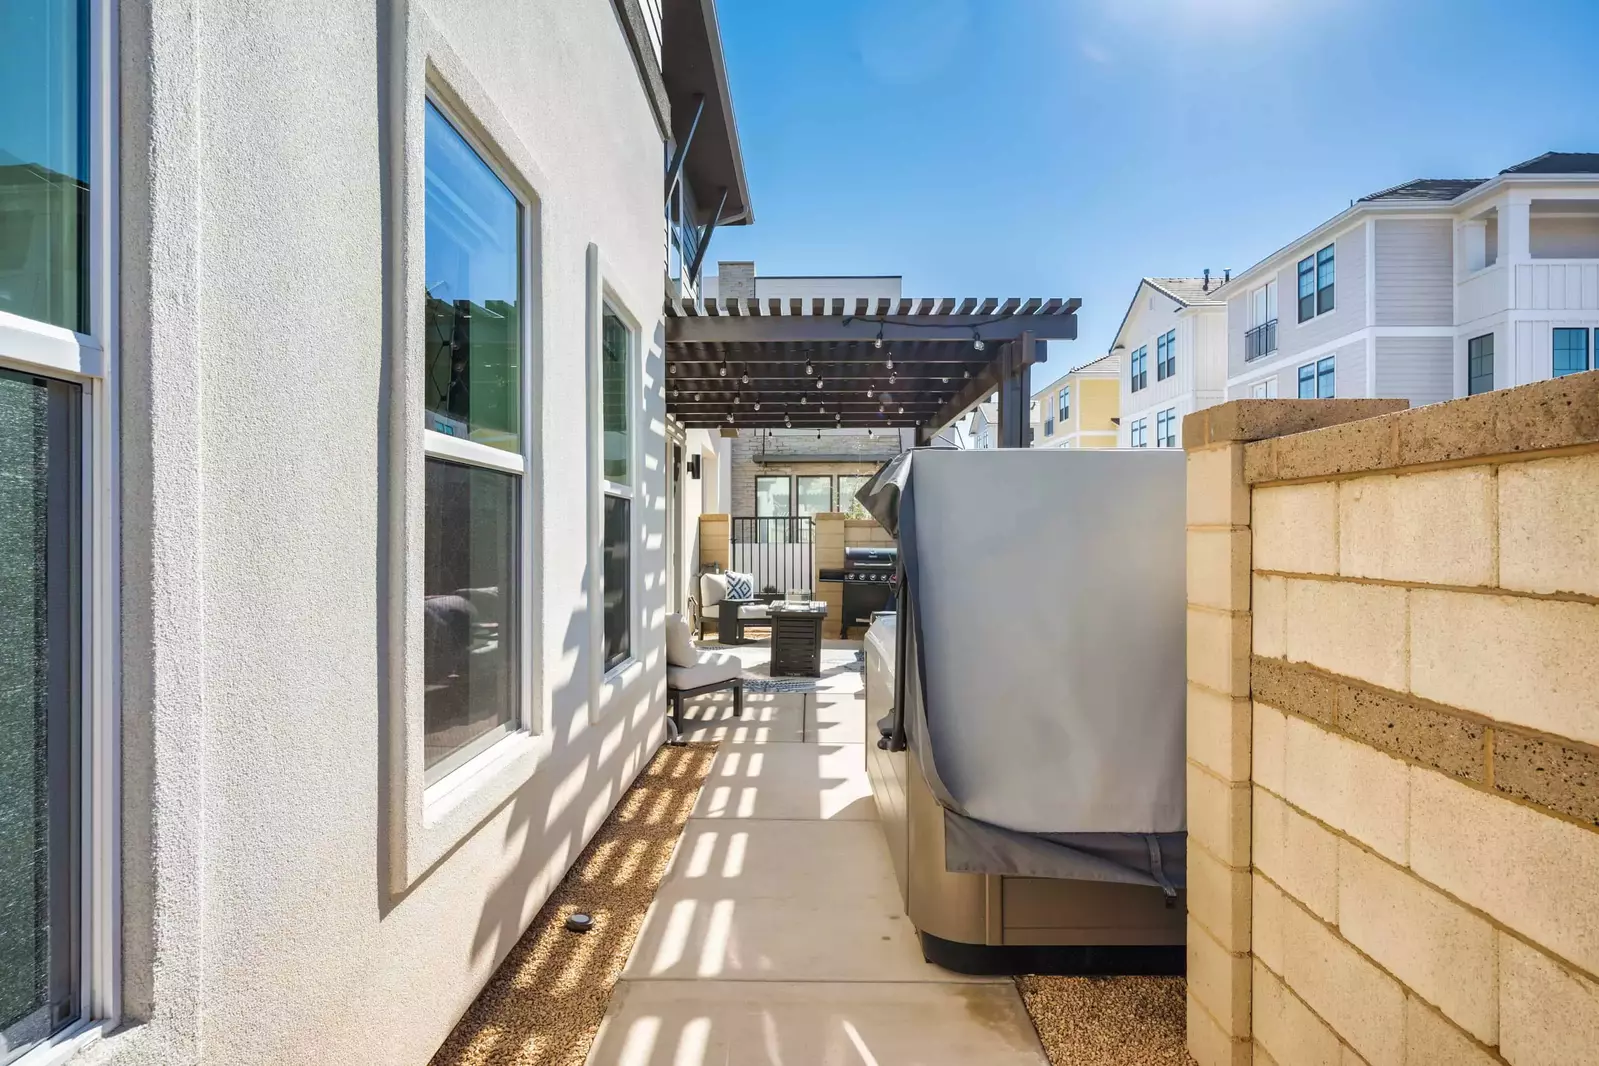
{"x":1108,"y":1021}
{"x":544,"y":1004}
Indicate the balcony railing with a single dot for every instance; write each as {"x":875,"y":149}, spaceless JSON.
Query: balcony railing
{"x":1260,"y":341}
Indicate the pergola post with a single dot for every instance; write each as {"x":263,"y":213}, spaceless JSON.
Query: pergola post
{"x":1015,"y":391}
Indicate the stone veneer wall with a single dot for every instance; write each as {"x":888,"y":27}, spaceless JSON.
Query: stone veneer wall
{"x":872,"y":451}
{"x":1394,"y":731}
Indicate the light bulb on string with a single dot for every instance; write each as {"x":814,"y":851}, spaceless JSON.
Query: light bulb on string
{"x":809,"y":369}
{"x":722,"y":370}
{"x":977,"y":341}
{"x":745,"y":379}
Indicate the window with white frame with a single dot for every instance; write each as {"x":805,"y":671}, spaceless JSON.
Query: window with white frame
{"x":58,"y":585}
{"x":1065,"y":404}
{"x":616,"y":541}
{"x":1166,"y":428}
{"x":474,"y":361}
{"x":1260,"y":339}
{"x":1264,"y":390}
{"x":1316,"y":284}
{"x":1138,"y":373}
{"x":1138,"y":433}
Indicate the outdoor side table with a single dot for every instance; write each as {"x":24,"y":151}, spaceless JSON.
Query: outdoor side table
{"x":797,"y":639}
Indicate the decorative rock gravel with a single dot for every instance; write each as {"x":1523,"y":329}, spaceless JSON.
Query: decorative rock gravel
{"x":1108,"y":1021}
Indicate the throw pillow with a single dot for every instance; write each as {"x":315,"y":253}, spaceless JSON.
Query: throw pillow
{"x":679,"y":642}
{"x":713,"y":589}
{"x":740,"y":586}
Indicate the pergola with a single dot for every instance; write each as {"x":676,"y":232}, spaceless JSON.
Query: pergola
{"x":853,"y":363}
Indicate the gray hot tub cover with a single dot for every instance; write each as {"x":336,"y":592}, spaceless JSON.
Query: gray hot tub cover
{"x":1041,"y":683}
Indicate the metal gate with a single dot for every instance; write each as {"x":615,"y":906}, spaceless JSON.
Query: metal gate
{"x":779,"y":552}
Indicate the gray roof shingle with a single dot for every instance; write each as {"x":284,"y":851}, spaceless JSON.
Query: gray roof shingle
{"x":1188,"y":291}
{"x":1558,"y":163}
{"x":1434,"y":190}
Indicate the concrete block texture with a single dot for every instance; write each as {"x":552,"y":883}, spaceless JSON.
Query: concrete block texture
{"x":1218,"y":733}
{"x":1347,"y":628}
{"x":1218,"y":651}
{"x":1436,"y":527}
{"x":1208,"y":1044}
{"x":1296,"y":528}
{"x":1551,"y":1015}
{"x":1268,"y":604}
{"x":1219,"y":980}
{"x":1364,"y":1005}
{"x":1269,"y":747}
{"x":1548,"y":541}
{"x":1437,"y":948}
{"x":1509,"y":658}
{"x":1554,"y":774}
{"x":1217,"y":495}
{"x":1287,"y":1029}
{"x":1533,"y":873}
{"x":1298,"y":854}
{"x":1218,"y":898}
{"x":1430,"y":1040}
{"x":1266,"y":922}
{"x":1350,"y":786}
{"x":1218,"y":816}
{"x":1218,"y":568}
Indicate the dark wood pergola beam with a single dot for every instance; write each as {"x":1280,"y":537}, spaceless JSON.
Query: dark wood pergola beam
{"x":799,"y":329}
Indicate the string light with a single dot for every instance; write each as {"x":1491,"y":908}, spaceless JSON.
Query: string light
{"x":789,"y":422}
{"x":977,"y":340}
{"x":901,"y":408}
{"x":697,"y":397}
{"x":889,"y":365}
{"x":730,"y":416}
{"x":809,"y":369}
{"x":820,"y":383}
{"x":892,"y":379}
{"x":868,"y":394}
{"x":804,"y":401}
{"x":722,"y":370}
{"x":878,"y":343}
{"x":745,"y":379}
{"x":945,"y":380}
{"x":966,"y":375}
{"x":757,"y":405}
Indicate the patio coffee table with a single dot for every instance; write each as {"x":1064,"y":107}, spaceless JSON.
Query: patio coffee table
{"x":797,"y":638}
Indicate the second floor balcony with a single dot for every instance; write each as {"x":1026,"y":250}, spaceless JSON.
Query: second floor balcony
{"x":1260,"y":341}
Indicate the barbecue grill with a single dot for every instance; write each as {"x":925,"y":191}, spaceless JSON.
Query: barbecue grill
{"x":870,"y":578}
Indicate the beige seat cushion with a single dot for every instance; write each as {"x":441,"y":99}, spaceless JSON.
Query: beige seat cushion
{"x":713,"y":590}
{"x":754,"y":610}
{"x":711,"y":668}
{"x":680,"y":650}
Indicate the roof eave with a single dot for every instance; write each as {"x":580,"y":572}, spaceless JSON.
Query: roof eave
{"x":694,"y":64}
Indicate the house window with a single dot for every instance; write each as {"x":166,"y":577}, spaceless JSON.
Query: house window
{"x":1049,"y":427}
{"x":1166,"y":428}
{"x":58,"y":589}
{"x":848,"y":486}
{"x":473,"y":362}
{"x":1140,"y":368}
{"x":1138,"y":433}
{"x":1316,"y":380}
{"x":772,"y":496}
{"x":1166,"y":356}
{"x":814,"y":494}
{"x":1571,"y":351}
{"x":40,"y":588}
{"x":616,"y":573}
{"x":1065,"y":405}
{"x":1264,"y":390}
{"x":1324,"y":280}
{"x":1316,"y":284}
{"x":1261,"y":338}
{"x":1480,"y":364}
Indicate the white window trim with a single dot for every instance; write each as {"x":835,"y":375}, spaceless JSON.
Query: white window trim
{"x":90,"y":361}
{"x":428,"y":819}
{"x":606,"y":684}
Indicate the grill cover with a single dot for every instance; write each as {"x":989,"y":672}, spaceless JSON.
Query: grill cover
{"x":1043,"y":679}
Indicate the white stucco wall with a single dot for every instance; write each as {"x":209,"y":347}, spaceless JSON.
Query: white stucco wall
{"x":260,"y":925}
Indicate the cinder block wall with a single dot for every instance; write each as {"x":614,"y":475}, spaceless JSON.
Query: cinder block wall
{"x":1394,"y":731}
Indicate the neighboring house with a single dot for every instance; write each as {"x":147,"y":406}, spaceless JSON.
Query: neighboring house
{"x":1079,"y":409}
{"x":1430,"y":290}
{"x":985,"y":425}
{"x":738,"y":280}
{"x":1173,"y":349}
{"x":333,"y":499}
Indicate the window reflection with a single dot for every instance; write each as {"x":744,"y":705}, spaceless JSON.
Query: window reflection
{"x":469,"y":610}
{"x":44,"y":161}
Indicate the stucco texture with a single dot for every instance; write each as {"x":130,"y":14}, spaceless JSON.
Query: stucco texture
{"x":259,"y":922}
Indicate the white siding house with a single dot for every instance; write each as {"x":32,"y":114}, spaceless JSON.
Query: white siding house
{"x":1173,"y":352}
{"x":1433,"y":289}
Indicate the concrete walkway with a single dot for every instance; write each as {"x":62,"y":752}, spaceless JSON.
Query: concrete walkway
{"x":778,"y":937}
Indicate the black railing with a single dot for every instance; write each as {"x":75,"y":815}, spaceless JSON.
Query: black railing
{"x":1262,"y":340}
{"x":778,"y":552}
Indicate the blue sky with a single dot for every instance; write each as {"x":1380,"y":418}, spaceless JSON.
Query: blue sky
{"x":1069,"y":147}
